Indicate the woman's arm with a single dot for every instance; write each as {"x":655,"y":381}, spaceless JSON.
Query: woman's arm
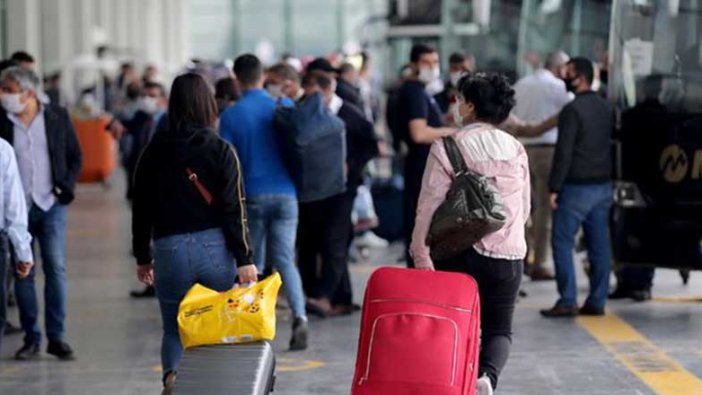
{"x":236,"y":229}
{"x":435,"y":184}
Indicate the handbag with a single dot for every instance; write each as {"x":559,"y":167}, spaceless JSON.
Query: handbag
{"x":472,"y":210}
{"x":240,"y":315}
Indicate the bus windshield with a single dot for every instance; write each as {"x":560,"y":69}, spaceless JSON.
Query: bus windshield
{"x":656,"y":54}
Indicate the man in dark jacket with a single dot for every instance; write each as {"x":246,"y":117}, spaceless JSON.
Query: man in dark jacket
{"x":49,"y":159}
{"x":343,"y":89}
{"x":361,"y":147}
{"x":581,"y":192}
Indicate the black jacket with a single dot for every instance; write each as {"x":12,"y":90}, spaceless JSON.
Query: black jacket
{"x":349,"y":93}
{"x":583,"y":151}
{"x":361,"y":143}
{"x":64,"y":150}
{"x":167,"y":202}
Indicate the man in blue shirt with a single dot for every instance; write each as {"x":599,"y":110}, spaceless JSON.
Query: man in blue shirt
{"x":271,"y":196}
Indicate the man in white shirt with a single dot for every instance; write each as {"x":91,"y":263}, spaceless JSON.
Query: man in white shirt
{"x":539,"y":97}
{"x":13,"y":211}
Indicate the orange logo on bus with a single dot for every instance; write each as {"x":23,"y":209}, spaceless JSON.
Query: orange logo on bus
{"x":675,"y":166}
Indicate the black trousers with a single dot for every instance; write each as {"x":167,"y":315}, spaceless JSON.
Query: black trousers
{"x":323,"y":237}
{"x":413,"y":185}
{"x":498,"y":282}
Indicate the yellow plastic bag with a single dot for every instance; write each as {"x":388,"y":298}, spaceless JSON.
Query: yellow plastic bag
{"x":240,"y":315}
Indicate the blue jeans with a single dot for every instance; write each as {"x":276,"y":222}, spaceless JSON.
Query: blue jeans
{"x":273,"y":226}
{"x":587,"y":206}
{"x":48,"y":228}
{"x":181,"y":261}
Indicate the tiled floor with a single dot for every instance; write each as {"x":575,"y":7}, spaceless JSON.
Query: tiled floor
{"x":117,"y":339}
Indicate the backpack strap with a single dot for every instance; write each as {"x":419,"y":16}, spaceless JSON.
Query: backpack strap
{"x":455,"y":156}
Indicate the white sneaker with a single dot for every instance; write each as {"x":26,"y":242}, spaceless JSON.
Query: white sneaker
{"x":484,"y":386}
{"x":370,"y":240}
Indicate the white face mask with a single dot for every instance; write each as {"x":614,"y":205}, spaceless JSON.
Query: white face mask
{"x":427,"y":75}
{"x":275,"y":90}
{"x":149,"y":104}
{"x":12,"y":104}
{"x":456,"y":113}
{"x":333,"y":85}
{"x":455,"y":77}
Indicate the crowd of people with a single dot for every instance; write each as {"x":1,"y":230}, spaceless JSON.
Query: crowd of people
{"x":265,"y":169}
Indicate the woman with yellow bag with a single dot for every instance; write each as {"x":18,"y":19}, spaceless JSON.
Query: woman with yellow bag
{"x":189,"y":199}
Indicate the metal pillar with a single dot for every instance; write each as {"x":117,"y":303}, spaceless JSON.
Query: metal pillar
{"x":448,"y":41}
{"x":288,"y":28}
{"x":523,"y":39}
{"x":577,"y":28}
{"x":237,"y":42}
{"x":340,"y":24}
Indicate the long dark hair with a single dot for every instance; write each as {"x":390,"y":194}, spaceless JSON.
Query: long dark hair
{"x":192,"y":103}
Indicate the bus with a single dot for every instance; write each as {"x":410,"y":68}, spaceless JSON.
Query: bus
{"x":655,"y":82}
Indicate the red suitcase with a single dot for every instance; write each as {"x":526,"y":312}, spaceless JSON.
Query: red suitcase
{"x":420,"y":334}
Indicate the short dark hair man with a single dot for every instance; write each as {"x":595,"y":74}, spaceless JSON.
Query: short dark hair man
{"x":344,"y":89}
{"x":581,"y":191}
{"x":49,"y":159}
{"x":419,"y":124}
{"x":460,"y":64}
{"x":24,"y":59}
{"x":270,"y":191}
{"x":284,"y":81}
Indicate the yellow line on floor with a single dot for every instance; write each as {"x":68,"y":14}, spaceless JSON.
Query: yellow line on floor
{"x":294,"y":365}
{"x":654,"y":367}
{"x":679,"y":299}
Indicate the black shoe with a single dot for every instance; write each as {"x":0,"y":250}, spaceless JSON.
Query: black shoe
{"x":316,"y":310}
{"x":148,"y":292}
{"x":300,"y":333}
{"x":28,"y":352}
{"x":559,"y":312}
{"x":620,"y":293}
{"x":591,"y":310}
{"x":61,"y":350}
{"x":11,"y":329}
{"x":642,"y":295}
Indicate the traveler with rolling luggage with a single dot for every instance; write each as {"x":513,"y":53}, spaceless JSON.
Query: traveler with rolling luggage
{"x":189,"y":199}
{"x":498,"y":163}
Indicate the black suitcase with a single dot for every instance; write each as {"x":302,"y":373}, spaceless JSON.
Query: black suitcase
{"x":388,"y":200}
{"x":241,"y":369}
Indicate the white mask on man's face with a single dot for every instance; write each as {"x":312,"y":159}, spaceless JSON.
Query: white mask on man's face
{"x":427,"y":75}
{"x":12,"y":103}
{"x":275,"y":90}
{"x":149,"y":104}
{"x":455,"y":76}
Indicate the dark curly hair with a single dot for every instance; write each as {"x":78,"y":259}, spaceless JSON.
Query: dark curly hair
{"x":491,"y":94}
